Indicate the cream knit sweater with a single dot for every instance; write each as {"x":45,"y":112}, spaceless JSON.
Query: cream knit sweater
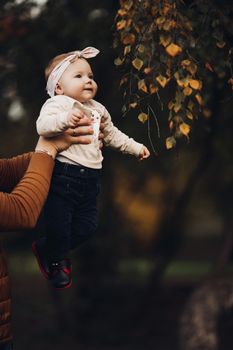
{"x":53,"y":120}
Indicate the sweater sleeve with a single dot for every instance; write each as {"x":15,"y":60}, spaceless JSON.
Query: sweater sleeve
{"x":12,"y":170}
{"x":21,"y":208}
{"x":52,"y":119}
{"x":116,"y":139}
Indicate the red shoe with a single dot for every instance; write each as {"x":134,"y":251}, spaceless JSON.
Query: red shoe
{"x":60,"y":274}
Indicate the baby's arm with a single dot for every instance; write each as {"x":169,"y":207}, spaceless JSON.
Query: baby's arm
{"x":73,"y":117}
{"x":144,"y":153}
{"x":54,"y":118}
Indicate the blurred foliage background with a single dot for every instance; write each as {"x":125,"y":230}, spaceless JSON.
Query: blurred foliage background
{"x":158,"y":274}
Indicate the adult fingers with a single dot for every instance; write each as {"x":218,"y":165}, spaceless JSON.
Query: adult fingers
{"x":80,"y":130}
{"x":84,"y":139}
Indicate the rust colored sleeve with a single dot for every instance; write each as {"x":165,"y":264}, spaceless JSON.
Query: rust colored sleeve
{"x":21,"y":208}
{"x":12,"y":170}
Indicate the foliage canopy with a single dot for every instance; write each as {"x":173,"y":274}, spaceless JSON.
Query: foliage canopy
{"x":178,"y":51}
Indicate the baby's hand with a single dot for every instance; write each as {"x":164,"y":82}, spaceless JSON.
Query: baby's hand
{"x":144,"y":153}
{"x":74,"y":117}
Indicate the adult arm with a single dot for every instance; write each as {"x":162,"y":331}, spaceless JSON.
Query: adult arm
{"x":21,"y":208}
{"x":12,"y":170}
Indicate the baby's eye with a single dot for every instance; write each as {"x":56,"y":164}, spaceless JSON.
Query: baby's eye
{"x":78,"y":76}
{"x":91,"y":76}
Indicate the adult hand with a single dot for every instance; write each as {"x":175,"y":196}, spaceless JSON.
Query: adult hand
{"x":81,"y":134}
{"x":84,"y":131}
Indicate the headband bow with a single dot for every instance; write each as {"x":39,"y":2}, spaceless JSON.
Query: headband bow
{"x":60,"y":68}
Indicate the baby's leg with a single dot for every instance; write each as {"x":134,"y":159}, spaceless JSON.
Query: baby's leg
{"x":85,"y":218}
{"x":58,"y":217}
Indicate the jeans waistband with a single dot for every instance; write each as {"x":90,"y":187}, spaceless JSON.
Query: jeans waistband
{"x":67,"y":169}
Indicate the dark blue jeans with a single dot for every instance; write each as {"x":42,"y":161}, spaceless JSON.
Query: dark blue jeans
{"x":71,"y":208}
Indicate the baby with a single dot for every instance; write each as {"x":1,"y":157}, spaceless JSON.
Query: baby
{"x":71,"y":207}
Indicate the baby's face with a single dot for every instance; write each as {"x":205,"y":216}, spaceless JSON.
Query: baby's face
{"x":77,"y":81}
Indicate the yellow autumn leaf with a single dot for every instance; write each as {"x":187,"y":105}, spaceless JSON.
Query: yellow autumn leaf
{"x":160,"y":20}
{"x":220,"y":44}
{"x":177,"y":107}
{"x":199,"y":99}
{"x":189,"y":115}
{"x":192,"y":68}
{"x":184,"y":128}
{"x":133,"y":104}
{"x":147,"y":70}
{"x":177,"y":75}
{"x":137,"y":28}
{"x":170,"y":105}
{"x":141,"y":48}
{"x":170,"y":142}
{"x":187,"y":91}
{"x":162,"y":80}
{"x":143,"y":117}
{"x":173,"y":49}
{"x":121,"y":12}
{"x":209,"y":67}
{"x":123,"y":81}
{"x":118,"y":61}
{"x":153,"y":89}
{"x":171,"y":125}
{"x":168,"y":25}
{"x":129,"y":38}
{"x":137,"y":63}
{"x":185,"y":63}
{"x":188,"y":25}
{"x":168,"y":72}
{"x":127,"y":49}
{"x":129,"y":22}
{"x":182,"y":82}
{"x":121,"y":24}
{"x":195,"y":84}
{"x":177,"y":119}
{"x":142,"y":86}
{"x":165,"y":40}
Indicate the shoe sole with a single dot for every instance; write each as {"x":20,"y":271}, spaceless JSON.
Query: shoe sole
{"x":65,"y":287}
{"x":35,"y":252}
{"x":68,"y":285}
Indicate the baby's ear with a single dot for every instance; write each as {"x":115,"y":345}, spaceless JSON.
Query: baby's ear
{"x":59,"y":89}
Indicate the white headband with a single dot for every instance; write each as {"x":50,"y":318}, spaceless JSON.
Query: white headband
{"x":60,"y":68}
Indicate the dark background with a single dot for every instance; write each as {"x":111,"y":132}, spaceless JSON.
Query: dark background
{"x":158,"y":274}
